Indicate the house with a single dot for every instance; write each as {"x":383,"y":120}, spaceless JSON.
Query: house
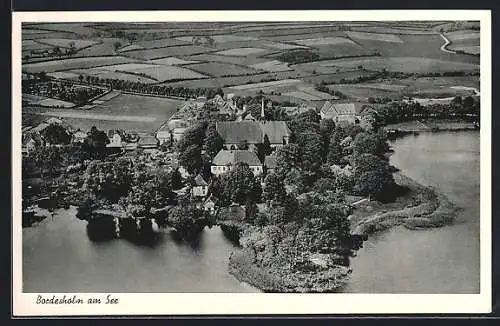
{"x":30,"y":143}
{"x":251,"y":132}
{"x":147,"y":141}
{"x":277,"y":132}
{"x":210,"y":205}
{"x":347,"y":112}
{"x":225,"y":160}
{"x":163,"y":134}
{"x":270,"y":163}
{"x":200,"y":187}
{"x":292,"y":111}
{"x":79,"y":136}
{"x":115,"y":139}
{"x":235,"y":133}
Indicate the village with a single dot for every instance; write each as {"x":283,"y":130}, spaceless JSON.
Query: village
{"x":240,"y":130}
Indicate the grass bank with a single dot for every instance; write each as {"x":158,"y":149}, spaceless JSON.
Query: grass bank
{"x":420,"y":207}
{"x":242,"y":265}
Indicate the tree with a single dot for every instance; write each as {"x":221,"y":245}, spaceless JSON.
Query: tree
{"x":110,"y":180}
{"x":56,"y":134}
{"x":287,"y":157}
{"x":312,"y":150}
{"x":308,"y":116}
{"x":186,"y":220}
{"x":370,"y":143}
{"x":191,"y":159}
{"x":117,"y":45}
{"x":371,"y":174}
{"x":274,"y":189}
{"x":95,"y":143}
{"x":238,"y":185}
{"x":213,"y":141}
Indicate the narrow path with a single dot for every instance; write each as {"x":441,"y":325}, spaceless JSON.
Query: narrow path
{"x":447,"y":42}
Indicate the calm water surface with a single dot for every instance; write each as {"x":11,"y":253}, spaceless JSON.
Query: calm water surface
{"x":59,"y":257}
{"x":442,"y":260}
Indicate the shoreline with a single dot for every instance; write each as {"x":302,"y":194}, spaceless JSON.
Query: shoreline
{"x":433,"y":209}
{"x":416,"y":126}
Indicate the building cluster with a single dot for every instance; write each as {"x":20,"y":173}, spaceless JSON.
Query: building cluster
{"x":242,"y":135}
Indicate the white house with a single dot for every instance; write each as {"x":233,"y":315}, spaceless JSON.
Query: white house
{"x":115,"y":139}
{"x":200,"y":187}
{"x":225,"y":161}
{"x":346,"y":112}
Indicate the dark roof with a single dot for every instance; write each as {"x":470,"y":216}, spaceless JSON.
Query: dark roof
{"x":226,"y":157}
{"x":199,"y":181}
{"x":148,"y":141}
{"x":235,"y":132}
{"x":275,"y":131}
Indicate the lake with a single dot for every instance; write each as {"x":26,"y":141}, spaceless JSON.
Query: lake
{"x":59,"y":257}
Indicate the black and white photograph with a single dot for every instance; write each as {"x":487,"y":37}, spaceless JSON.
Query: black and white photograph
{"x":251,"y":156}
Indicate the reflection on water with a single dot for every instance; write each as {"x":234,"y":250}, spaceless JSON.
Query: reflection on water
{"x":443,"y":260}
{"x":59,"y":257}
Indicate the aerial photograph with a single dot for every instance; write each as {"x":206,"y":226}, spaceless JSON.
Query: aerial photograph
{"x":231,"y":157}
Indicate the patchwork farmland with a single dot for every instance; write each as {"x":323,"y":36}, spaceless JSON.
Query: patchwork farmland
{"x":288,"y":61}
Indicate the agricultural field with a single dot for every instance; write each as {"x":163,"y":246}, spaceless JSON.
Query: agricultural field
{"x":172,"y":61}
{"x":219,"y":38}
{"x":161,"y":43}
{"x":217,"y":69}
{"x":271,"y":66}
{"x":308,"y":93}
{"x":241,"y":52}
{"x":267,"y":86}
{"x":125,"y":105}
{"x":427,"y":87}
{"x":402,"y":64}
{"x":66,"y":43}
{"x":466,"y":41}
{"x":210,"y":57}
{"x":74,"y":63}
{"x":106,"y":46}
{"x":333,"y":40}
{"x":130,"y":47}
{"x":156,"y":53}
{"x":391,"y":30}
{"x":165,"y":73}
{"x":217,"y":82}
{"x":375,"y":37}
{"x":76,"y":28}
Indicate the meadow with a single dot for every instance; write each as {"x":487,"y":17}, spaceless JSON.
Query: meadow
{"x":156,"y":53}
{"x":74,"y":63}
{"x":217,"y":69}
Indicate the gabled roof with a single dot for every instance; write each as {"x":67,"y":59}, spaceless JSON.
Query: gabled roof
{"x":148,"y":140}
{"x":232,"y":157}
{"x":270,"y":161}
{"x":275,"y":131}
{"x":199,"y":181}
{"x":333,"y":109}
{"x":113,"y":132}
{"x":235,"y":132}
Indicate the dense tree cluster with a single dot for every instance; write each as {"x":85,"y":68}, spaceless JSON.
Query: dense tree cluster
{"x":65,"y":91}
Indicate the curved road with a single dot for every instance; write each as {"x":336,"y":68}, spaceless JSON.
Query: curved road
{"x":446,"y":43}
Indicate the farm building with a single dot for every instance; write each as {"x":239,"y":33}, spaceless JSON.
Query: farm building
{"x":236,"y":133}
{"x":200,"y":187}
{"x":225,"y":160}
{"x":147,"y":141}
{"x":115,"y":139}
{"x":251,"y":132}
{"x":277,"y":132}
{"x":210,"y":205}
{"x":292,"y":111}
{"x":347,"y":112}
